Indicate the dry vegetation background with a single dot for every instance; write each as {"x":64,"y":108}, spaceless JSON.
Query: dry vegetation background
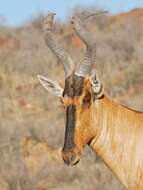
{"x":30,"y":118}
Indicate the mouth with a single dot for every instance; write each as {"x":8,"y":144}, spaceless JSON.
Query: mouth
{"x":71,"y":163}
{"x":76,"y":162}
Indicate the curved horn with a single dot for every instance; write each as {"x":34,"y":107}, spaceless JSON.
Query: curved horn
{"x":85,"y":66}
{"x":54,"y":46}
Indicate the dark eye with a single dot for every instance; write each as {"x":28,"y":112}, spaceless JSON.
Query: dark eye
{"x":86,"y":99}
{"x":61,"y":101}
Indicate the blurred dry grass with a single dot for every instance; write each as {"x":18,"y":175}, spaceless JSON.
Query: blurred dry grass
{"x":26,"y":110}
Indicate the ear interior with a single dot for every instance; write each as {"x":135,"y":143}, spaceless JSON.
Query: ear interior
{"x":52,"y":86}
{"x":97,"y":88}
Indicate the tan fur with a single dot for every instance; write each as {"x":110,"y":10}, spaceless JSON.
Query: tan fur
{"x":114,"y":132}
{"x":120,"y":142}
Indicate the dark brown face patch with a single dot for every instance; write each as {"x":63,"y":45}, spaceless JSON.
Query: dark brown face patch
{"x":73,"y":86}
{"x":70,"y":126}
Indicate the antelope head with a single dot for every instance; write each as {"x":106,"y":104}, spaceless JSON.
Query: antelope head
{"x":80,"y":91}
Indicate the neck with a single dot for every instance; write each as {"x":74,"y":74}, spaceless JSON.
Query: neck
{"x":119,"y":139}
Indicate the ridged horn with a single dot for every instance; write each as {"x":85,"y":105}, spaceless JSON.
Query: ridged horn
{"x":86,"y":64}
{"x":54,"y":46}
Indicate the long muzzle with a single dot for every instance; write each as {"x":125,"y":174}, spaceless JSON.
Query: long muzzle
{"x":69,"y":152}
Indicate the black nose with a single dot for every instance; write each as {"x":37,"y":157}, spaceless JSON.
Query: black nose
{"x":69,"y":158}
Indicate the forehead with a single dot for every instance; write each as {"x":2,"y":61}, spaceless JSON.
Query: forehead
{"x":73,"y":86}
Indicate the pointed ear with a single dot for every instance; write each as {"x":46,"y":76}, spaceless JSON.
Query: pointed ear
{"x":97,"y":87}
{"x":52,"y":86}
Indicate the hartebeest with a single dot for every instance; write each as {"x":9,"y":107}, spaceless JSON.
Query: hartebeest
{"x":113,"y":131}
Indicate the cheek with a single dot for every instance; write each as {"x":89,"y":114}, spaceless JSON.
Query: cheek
{"x":82,"y":127}
{"x":84,"y":116}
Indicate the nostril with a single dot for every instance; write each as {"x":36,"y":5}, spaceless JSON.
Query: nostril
{"x":69,"y":157}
